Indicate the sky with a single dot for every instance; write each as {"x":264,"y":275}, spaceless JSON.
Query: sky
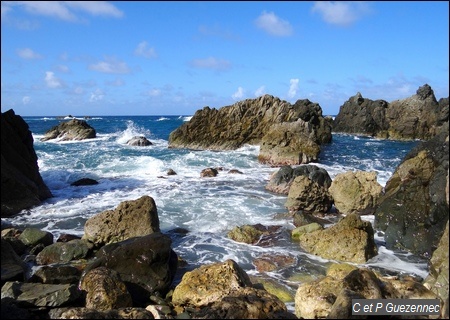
{"x":88,"y":58}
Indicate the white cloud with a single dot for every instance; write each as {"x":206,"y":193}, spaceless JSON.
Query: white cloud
{"x":342,"y":13}
{"x":260,"y":91}
{"x":154,"y":92}
{"x":51,"y":80}
{"x":97,"y":95}
{"x":28,"y":54}
{"x":64,"y":10}
{"x":26,"y":100}
{"x":144,"y":51}
{"x":63,"y":68}
{"x":211,"y":63}
{"x":239,"y":94}
{"x":273,"y":25}
{"x":293,"y":88}
{"x":110,"y":65}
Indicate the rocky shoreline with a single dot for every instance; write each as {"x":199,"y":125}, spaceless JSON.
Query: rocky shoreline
{"x":124,"y":267}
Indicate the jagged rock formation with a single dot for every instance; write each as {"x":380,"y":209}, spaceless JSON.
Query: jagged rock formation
{"x":22,"y":184}
{"x":298,"y":130}
{"x":71,"y":130}
{"x":420,"y":116}
{"x":413,"y":211}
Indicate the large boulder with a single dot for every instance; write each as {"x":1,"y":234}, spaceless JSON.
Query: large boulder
{"x":131,"y":218}
{"x":350,"y":240}
{"x":70,"y":130}
{"x":22,"y":185}
{"x":281,"y":180}
{"x":146,"y":264}
{"x":356,"y":192}
{"x":248,"y":121}
{"x":420,"y":116}
{"x":413,"y":211}
{"x":308,"y":195}
{"x":225,"y":291}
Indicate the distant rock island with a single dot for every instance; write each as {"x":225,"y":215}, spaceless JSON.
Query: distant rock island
{"x":420,"y":116}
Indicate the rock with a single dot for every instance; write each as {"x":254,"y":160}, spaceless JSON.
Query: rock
{"x":56,"y":274}
{"x":247,"y":122}
{"x":307,"y":195}
{"x":413,"y":211}
{"x":41,"y":295}
{"x":71,"y":130}
{"x":146,"y":264}
{"x":356,"y":192}
{"x":86,"y":313}
{"x":105,"y":290}
{"x":224,"y":291}
{"x":34,"y":236}
{"x":84,"y":182}
{"x":61,"y":252}
{"x":351,"y":240}
{"x":130,"y":219}
{"x":12,"y":266}
{"x":139,"y":141}
{"x":417,"y":117}
{"x":209,"y":172}
{"x":22,"y":185}
{"x":281,"y":180}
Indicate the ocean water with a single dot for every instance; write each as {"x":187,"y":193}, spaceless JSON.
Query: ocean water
{"x":207,"y":207}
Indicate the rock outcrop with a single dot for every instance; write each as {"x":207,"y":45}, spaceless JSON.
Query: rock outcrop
{"x":420,"y":116}
{"x":22,"y":185}
{"x":413,"y":211}
{"x":70,"y":130}
{"x":298,"y":129}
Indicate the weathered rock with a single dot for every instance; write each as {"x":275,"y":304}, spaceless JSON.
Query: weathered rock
{"x":86,"y":313}
{"x":351,"y":239}
{"x":62,"y":252}
{"x":41,"y":295}
{"x":105,"y":290}
{"x":139,"y":141}
{"x":413,"y":210}
{"x":305,"y":194}
{"x":224,"y":291}
{"x":437,"y":280}
{"x":146,"y":265}
{"x":305,"y":229}
{"x":247,"y":122}
{"x":130,"y":219}
{"x":256,"y":234}
{"x":289,"y":143}
{"x":12,"y":266}
{"x":356,"y":192}
{"x":34,"y":236}
{"x":281,"y":180}
{"x":22,"y":185}
{"x":56,"y":274}
{"x":417,"y":117}
{"x":267,"y":263}
{"x":70,"y":130}
{"x":209,"y":172}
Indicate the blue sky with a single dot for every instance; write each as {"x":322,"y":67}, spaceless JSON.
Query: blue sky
{"x":173,"y":58}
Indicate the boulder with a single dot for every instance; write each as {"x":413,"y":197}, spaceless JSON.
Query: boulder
{"x":139,"y":141}
{"x":22,"y":185}
{"x":350,"y":240}
{"x":413,"y":211}
{"x":280,"y":181}
{"x":305,"y":194}
{"x":225,"y":291}
{"x":62,"y":252}
{"x":131,"y":218}
{"x":70,"y":130}
{"x":356,"y":192}
{"x":146,"y":264}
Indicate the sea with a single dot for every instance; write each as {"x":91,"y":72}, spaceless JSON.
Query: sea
{"x":206,"y":209}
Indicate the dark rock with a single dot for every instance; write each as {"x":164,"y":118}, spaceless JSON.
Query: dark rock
{"x":22,"y":185}
{"x":71,"y":130}
{"x":84,"y":182}
{"x":139,"y":141}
